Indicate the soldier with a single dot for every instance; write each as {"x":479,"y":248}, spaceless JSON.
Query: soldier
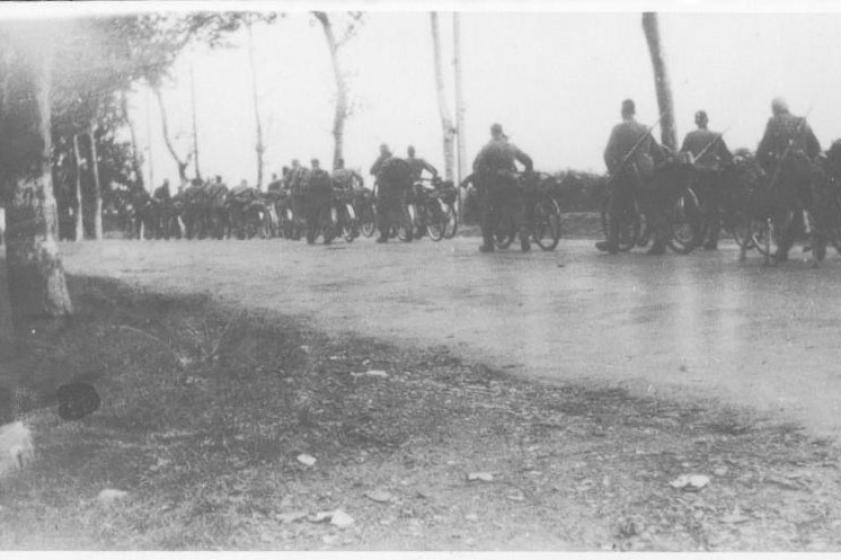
{"x":418,"y":165}
{"x":629,"y":157}
{"x":319,"y":192}
{"x":710,"y":156}
{"x":385,"y":153}
{"x":496,"y":181}
{"x":275,"y":186}
{"x":394,"y":181}
{"x":788,"y":152}
{"x":162,"y":193}
{"x":346,"y":179}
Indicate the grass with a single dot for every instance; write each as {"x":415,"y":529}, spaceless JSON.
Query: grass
{"x":205,"y":409}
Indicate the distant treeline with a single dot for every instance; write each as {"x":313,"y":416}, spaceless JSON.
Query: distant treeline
{"x":580,"y":191}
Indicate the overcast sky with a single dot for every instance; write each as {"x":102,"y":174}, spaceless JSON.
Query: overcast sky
{"x":554,"y":80}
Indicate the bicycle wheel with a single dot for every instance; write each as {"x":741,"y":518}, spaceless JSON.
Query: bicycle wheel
{"x":452,"y":221}
{"x":739,"y":226}
{"x":368,"y":218}
{"x":408,"y":223}
{"x":505,"y":231}
{"x":350,"y":227}
{"x":437,"y":219}
{"x":685,"y":223}
{"x":546,"y":228}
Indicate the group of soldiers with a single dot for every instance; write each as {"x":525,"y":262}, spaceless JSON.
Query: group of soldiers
{"x":788,"y":163}
{"x":639,"y":175}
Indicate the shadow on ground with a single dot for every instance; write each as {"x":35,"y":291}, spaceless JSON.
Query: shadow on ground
{"x":206,"y":410}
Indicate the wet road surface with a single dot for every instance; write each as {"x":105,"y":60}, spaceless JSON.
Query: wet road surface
{"x":697,"y":327}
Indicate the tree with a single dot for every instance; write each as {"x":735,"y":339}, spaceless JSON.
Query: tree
{"x":259,"y":147}
{"x":668,"y":133}
{"x":35,"y":272}
{"x":334,"y":45}
{"x":443,"y":109}
{"x":181,"y":163}
{"x":77,"y":192}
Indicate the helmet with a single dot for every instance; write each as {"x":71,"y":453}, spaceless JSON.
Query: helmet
{"x":779,"y":105}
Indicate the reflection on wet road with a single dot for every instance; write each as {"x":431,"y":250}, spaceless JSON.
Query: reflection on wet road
{"x":693,"y":326}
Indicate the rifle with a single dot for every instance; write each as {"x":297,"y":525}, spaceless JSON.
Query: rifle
{"x":712,"y":143}
{"x":631,"y":152}
{"x":779,"y":167}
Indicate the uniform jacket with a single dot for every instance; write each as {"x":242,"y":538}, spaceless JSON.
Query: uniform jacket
{"x":623,"y":138}
{"x":784,"y":130}
{"x":500,"y":155}
{"x":716,"y":155}
{"x":418,"y":165}
{"x":375,"y":169}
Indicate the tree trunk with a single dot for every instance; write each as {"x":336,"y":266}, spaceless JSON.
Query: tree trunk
{"x":77,"y":192}
{"x":260,"y":148}
{"x":668,"y":134}
{"x":460,"y":126}
{"x":136,"y":165}
{"x":35,"y":273}
{"x":7,"y":330}
{"x":97,"y":186}
{"x":182,"y":165}
{"x":195,"y":127}
{"x":444,"y":111}
{"x":341,"y":89}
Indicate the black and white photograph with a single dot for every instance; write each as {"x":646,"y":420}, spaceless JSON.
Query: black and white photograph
{"x":426,"y":276}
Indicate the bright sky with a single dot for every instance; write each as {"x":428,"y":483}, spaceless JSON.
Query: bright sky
{"x":554,"y":80}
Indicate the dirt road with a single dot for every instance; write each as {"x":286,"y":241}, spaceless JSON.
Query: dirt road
{"x":697,"y":327}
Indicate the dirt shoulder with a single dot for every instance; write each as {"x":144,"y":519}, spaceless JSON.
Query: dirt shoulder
{"x":206,"y":411}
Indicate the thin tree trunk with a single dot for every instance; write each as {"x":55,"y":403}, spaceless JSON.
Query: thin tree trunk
{"x":97,"y":186}
{"x":36,"y":276}
{"x":260,"y":148}
{"x":460,"y":126}
{"x":77,"y":192}
{"x":444,"y":111}
{"x":341,"y":112}
{"x":135,"y":153}
{"x":668,"y":133}
{"x":182,"y":165}
{"x":195,"y":127}
{"x":7,"y":329}
{"x":149,"y":143}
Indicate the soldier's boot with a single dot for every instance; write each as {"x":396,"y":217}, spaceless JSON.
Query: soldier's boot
{"x":487,"y":245}
{"x":607,"y":247}
{"x":525,"y":245}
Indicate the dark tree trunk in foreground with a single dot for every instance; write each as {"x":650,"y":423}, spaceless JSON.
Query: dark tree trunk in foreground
{"x":7,"y":331}
{"x":77,"y":191}
{"x":341,"y":88}
{"x":443,"y":109}
{"x":661,"y":80}
{"x":97,"y":186}
{"x":36,"y":276}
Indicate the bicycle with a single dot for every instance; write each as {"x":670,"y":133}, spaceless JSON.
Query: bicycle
{"x":436,"y":214}
{"x":545,"y":223}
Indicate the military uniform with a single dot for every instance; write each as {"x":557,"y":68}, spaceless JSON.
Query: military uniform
{"x":347,"y":179}
{"x":787,"y":152}
{"x":319,"y":192}
{"x":628,"y":180}
{"x":394,"y":179}
{"x":714,"y":156}
{"x":495,"y":172}
{"x":418,"y":166}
